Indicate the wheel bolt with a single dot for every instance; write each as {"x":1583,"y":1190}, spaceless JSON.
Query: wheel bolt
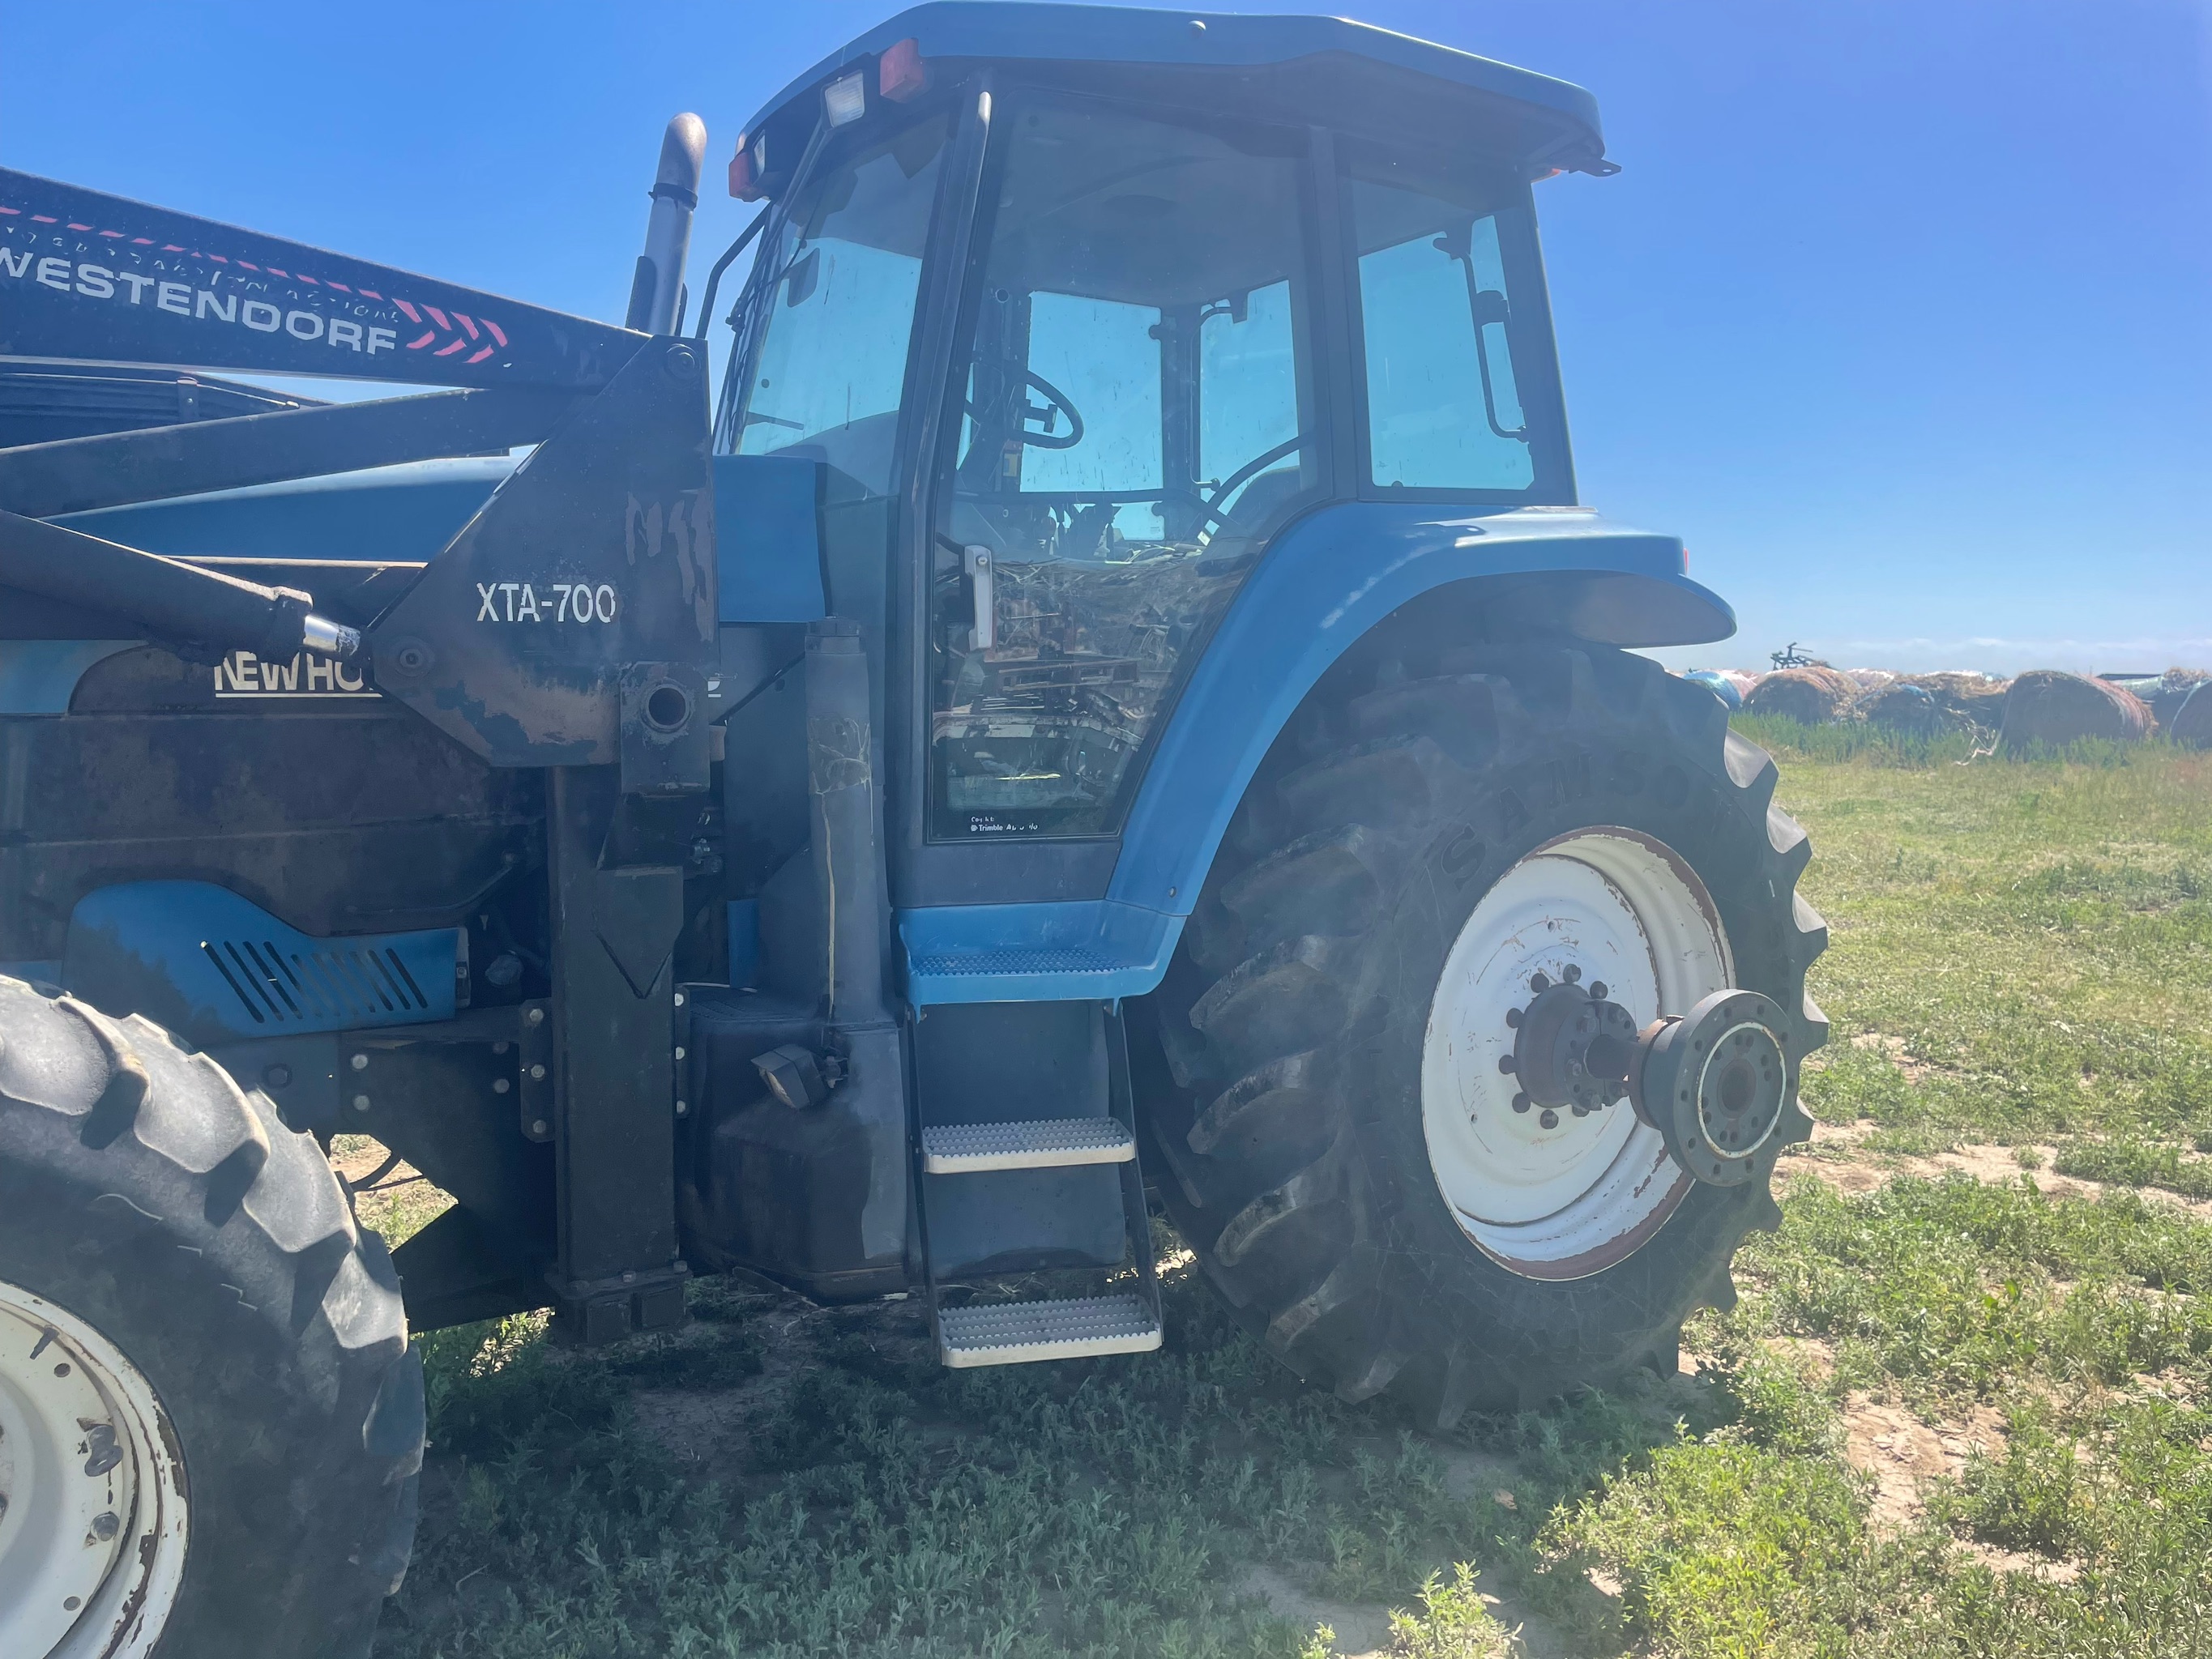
{"x":1513,"y":1019}
{"x":1538,"y":982}
{"x":1521,"y":1103}
{"x":1507,"y":1064}
{"x":1597,"y":989}
{"x":1571,"y":973}
{"x":1549,"y":1119}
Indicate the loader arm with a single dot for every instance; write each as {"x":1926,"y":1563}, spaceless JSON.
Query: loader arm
{"x":594,"y":564}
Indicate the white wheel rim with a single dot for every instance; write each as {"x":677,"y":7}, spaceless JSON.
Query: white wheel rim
{"x":1569,"y":1201}
{"x":92,"y":1531}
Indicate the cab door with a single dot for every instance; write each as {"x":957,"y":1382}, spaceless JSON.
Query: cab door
{"x":1130,"y":414}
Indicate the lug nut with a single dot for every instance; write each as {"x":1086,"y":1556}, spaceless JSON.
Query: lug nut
{"x":1597,"y":989}
{"x":1507,"y":1064}
{"x":1539,"y":983}
{"x":1513,"y":1018}
{"x":1521,"y":1103}
{"x":1549,"y":1119}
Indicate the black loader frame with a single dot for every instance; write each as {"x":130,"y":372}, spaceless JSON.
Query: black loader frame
{"x":568,"y":628}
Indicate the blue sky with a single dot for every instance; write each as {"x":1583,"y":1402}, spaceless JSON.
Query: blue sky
{"x":1899,"y":313}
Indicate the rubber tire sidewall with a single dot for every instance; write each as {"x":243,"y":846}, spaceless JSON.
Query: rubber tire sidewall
{"x":295,"y":1506}
{"x":1448,"y":1325}
{"x":1549,"y":1334}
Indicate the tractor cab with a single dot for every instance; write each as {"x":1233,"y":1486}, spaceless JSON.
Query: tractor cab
{"x":1076,"y":308}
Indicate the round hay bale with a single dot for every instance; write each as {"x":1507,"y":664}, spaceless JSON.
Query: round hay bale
{"x":2048,"y":709}
{"x":1811,"y":697}
{"x":2191,"y":724}
{"x":1914,"y":709}
{"x":1718,"y":683}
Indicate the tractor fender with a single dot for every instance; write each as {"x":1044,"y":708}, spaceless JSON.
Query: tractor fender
{"x":1329,"y":580}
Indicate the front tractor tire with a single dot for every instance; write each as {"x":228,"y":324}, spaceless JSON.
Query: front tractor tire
{"x":1346,"y":1150}
{"x":211,"y":1419}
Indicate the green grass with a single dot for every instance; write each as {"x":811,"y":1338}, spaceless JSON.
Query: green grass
{"x":2024,"y":951}
{"x":2024,"y":948}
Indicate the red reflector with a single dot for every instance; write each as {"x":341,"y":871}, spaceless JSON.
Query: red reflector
{"x":745,"y":179}
{"x":900,"y":72}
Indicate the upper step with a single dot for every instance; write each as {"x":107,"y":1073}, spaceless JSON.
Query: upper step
{"x":1041,"y":1144}
{"x":1066,"y":951}
{"x":1012,"y":1332}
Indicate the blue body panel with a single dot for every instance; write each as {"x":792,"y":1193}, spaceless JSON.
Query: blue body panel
{"x":1327,"y":579}
{"x":1015,"y":30}
{"x":767,"y":538}
{"x":213,"y":966}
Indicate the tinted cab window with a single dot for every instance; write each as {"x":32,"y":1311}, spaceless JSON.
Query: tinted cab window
{"x":1456,"y":342}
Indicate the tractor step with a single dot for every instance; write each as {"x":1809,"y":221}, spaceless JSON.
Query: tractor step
{"x":1047,"y":1144}
{"x":1012,"y":1333}
{"x":1037,"y":1226}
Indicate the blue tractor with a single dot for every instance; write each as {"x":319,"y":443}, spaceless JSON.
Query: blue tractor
{"x":1113,"y":705}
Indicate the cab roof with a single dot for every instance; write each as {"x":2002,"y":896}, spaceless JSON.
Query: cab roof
{"x":1557,"y":121}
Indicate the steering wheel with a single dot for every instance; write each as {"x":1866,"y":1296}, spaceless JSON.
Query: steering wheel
{"x":1210,"y":505}
{"x":1056,"y":402}
{"x":1230,"y":485}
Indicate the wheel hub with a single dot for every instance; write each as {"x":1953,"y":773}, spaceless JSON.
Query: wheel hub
{"x":1572,"y":1047}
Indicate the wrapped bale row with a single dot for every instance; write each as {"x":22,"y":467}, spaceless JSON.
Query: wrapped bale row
{"x":2044,"y":709}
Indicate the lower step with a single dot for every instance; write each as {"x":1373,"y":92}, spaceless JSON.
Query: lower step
{"x":1048,"y":1144}
{"x":1013,"y":1333}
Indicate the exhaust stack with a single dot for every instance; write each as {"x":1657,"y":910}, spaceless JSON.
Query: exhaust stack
{"x":656,"y":293}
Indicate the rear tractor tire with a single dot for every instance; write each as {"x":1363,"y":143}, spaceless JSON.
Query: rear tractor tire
{"x":210,"y":1420}
{"x":1345,"y":1148}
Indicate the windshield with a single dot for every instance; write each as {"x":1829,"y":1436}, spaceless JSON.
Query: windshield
{"x":1133,"y":419}
{"x":829,"y":308}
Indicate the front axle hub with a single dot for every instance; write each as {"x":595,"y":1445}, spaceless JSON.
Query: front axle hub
{"x":1713,"y":1082}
